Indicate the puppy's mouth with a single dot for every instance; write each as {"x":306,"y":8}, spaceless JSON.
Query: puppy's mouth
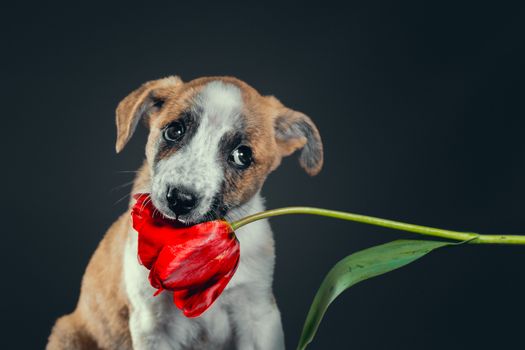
{"x":214,"y":213}
{"x":215,"y":210}
{"x":184,"y":220}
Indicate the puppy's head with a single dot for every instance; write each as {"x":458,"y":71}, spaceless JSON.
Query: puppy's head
{"x":212,"y":142}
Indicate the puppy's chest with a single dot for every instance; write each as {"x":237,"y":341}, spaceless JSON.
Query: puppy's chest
{"x":158,"y":318}
{"x":212,"y":330}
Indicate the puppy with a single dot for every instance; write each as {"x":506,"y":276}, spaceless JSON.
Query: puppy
{"x":212,"y":142}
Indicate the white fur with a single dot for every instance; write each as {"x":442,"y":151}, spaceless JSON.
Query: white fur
{"x":244,"y":315}
{"x":197,"y":165}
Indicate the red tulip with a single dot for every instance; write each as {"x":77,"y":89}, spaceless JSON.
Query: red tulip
{"x":195,"y":262}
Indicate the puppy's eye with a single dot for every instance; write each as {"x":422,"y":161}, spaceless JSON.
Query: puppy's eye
{"x":174,"y":131}
{"x":241,"y":157}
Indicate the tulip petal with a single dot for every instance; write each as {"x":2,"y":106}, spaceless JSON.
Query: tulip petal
{"x":183,"y":268}
{"x":195,"y":262}
{"x":193,"y":302}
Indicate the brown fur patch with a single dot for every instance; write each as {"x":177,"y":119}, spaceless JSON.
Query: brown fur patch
{"x":100,"y":319}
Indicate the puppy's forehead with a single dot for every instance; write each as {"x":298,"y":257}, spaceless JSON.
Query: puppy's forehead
{"x":220,"y":103}
{"x":217,"y":98}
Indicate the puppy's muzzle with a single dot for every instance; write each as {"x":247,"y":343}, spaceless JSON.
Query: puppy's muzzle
{"x":181,"y":201}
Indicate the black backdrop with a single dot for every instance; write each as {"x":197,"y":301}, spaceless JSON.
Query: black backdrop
{"x":420,"y":107}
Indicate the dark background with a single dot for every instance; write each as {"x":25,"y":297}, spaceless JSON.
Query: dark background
{"x":422,"y":115}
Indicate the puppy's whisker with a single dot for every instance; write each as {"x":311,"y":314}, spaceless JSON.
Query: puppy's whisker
{"x":145,"y":203}
{"x":215,"y":214}
{"x":122,"y":186}
{"x":156,"y":211}
{"x":208,"y":217}
{"x":122,"y":198}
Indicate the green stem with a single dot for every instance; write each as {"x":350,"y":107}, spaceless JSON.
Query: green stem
{"x":423,"y":230}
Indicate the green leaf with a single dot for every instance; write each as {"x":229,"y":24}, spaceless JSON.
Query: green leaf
{"x":358,"y":267}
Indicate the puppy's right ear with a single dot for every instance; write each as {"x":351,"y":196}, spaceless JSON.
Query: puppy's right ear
{"x":139,"y":104}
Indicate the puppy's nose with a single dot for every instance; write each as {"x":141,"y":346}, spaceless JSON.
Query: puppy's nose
{"x":181,"y":201}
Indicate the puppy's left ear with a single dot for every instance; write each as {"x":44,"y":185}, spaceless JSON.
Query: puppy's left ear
{"x":293,"y":131}
{"x":140,"y":104}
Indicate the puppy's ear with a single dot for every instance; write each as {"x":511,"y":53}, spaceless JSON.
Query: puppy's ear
{"x":293,"y":131}
{"x":140,"y":104}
